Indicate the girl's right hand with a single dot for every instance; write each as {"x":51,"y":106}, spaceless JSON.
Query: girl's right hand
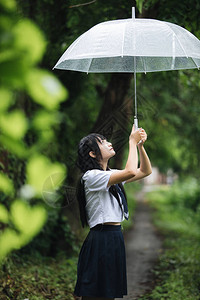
{"x":135,"y":134}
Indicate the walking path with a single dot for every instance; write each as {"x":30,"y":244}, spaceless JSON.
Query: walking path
{"x":143,"y":246}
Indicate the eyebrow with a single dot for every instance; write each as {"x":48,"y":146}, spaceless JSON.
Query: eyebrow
{"x":99,"y":139}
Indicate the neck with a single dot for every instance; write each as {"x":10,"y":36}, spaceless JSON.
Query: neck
{"x":104,"y":164}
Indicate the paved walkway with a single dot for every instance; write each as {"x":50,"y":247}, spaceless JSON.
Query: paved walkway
{"x":143,"y":246}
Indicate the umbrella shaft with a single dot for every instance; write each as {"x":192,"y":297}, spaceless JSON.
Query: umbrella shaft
{"x":135,"y":94}
{"x":134,"y":60}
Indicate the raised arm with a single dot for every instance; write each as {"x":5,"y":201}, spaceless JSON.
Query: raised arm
{"x":130,"y":169}
{"x":145,"y":164}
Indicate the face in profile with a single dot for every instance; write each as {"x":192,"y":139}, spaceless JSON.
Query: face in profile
{"x":106,"y":149}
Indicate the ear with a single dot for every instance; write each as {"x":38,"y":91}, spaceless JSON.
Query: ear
{"x":92,"y":154}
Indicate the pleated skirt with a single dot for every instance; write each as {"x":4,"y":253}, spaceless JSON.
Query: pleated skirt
{"x":101,"y":270}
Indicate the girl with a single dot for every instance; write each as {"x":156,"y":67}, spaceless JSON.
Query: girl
{"x":101,"y":272}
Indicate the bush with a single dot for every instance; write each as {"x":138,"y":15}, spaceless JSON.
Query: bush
{"x":179,"y":266}
{"x":185,"y":193}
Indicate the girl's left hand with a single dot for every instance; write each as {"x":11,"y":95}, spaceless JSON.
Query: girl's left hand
{"x":143,"y":136}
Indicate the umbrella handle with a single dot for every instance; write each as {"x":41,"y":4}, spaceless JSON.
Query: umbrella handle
{"x":136,"y":126}
{"x":136,"y":122}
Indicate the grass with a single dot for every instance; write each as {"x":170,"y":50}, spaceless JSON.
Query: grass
{"x":178,"y":270}
{"x":36,"y":277}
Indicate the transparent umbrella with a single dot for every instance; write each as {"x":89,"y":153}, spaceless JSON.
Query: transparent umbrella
{"x":132,"y":45}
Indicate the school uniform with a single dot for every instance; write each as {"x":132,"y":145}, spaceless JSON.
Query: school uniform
{"x":101,"y":270}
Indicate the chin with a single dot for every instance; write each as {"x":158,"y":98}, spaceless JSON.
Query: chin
{"x":113,"y":153}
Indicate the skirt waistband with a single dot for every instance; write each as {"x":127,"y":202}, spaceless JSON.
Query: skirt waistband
{"x":106,"y":227}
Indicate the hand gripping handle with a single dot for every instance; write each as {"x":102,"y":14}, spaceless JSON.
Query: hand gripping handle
{"x":136,"y":127}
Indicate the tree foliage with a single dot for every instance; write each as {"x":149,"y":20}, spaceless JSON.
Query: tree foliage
{"x":168,"y":105}
{"x":162,"y":110}
{"x":24,"y":132}
{"x":40,"y":130}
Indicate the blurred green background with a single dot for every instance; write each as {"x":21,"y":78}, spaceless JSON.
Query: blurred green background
{"x":44,"y":114}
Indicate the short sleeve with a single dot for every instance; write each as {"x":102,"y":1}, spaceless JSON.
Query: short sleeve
{"x":97,"y":180}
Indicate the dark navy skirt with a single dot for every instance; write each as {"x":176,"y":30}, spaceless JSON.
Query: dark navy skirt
{"x":101,"y":270}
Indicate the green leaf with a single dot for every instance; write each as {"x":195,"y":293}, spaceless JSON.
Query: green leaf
{"x":39,"y":169}
{"x":6,"y":185}
{"x":13,"y":71}
{"x":44,"y":122}
{"x":3,"y":214}
{"x":8,"y":4}
{"x":6,"y":99}
{"x":44,"y":119}
{"x":28,"y":220}
{"x":29,"y":40}
{"x":14,"y":124}
{"x":45,"y":89}
{"x":9,"y":240}
{"x":15,"y":146}
{"x":139,"y":4}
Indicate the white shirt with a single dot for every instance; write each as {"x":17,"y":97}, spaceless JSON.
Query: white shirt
{"x":101,"y":206}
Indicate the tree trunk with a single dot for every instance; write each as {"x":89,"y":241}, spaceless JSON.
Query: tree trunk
{"x":113,"y":118}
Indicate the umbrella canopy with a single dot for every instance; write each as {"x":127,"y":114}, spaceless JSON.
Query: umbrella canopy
{"x":112,"y":46}
{"x":132,"y":45}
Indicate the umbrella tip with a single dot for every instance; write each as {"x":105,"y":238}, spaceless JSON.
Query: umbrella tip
{"x":133,"y":12}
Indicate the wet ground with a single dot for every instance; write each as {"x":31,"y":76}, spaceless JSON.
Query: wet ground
{"x":143,"y":245}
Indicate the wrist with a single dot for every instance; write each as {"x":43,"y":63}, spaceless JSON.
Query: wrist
{"x":140,"y":148}
{"x":140,"y":145}
{"x":132,"y":141}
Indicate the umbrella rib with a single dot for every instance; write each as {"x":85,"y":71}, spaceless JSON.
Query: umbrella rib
{"x":143,"y":62}
{"x":89,"y":65}
{"x":70,"y":50}
{"x":173,"y":51}
{"x":75,"y":42}
{"x":177,"y":40}
{"x":143,"y":59}
{"x":185,"y":51}
{"x":195,"y":63}
{"x":182,"y":47}
{"x":123,"y":39}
